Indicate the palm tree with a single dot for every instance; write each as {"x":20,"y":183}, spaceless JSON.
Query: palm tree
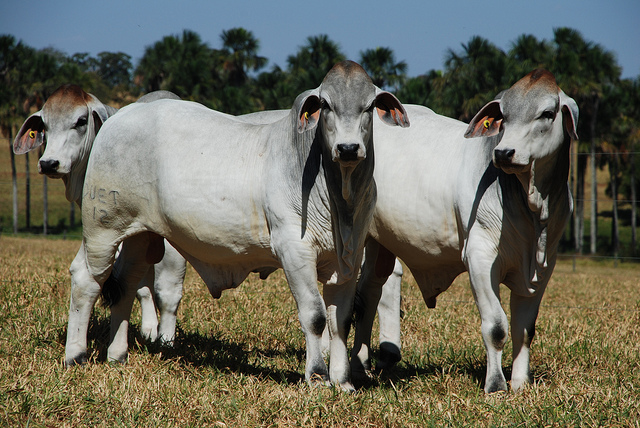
{"x":184,"y":65}
{"x":240,"y":51}
{"x":382,"y":67}
{"x":313,"y":61}
{"x":473,"y":77}
{"x":584,"y":69}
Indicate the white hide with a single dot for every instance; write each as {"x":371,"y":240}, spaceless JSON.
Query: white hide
{"x":236,"y":198}
{"x":444,"y":208}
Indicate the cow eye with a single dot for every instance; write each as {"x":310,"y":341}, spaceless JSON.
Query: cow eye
{"x":548,"y":114}
{"x":325,"y":105}
{"x":82,"y":121}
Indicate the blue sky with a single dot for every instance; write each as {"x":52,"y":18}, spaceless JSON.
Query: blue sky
{"x":419,"y":32}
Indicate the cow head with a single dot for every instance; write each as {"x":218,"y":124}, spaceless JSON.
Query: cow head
{"x":534,"y":116}
{"x":342,"y":111}
{"x":343,"y":108}
{"x":68,"y":123}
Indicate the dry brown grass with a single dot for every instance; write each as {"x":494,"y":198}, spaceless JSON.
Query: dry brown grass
{"x":239,"y":360}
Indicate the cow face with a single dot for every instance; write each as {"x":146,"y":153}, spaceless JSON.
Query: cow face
{"x":343,"y":106}
{"x":68,"y":123}
{"x":533,"y":115}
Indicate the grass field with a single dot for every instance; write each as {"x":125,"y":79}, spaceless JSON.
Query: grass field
{"x":239,"y":360}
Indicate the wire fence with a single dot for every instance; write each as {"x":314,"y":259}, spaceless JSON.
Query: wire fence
{"x":63,"y":220}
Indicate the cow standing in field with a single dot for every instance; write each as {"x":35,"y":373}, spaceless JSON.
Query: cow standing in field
{"x":494,"y":205}
{"x":234,"y":198}
{"x":69,"y":122}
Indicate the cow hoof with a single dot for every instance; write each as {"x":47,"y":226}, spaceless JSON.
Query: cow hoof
{"x":316,"y":380}
{"x":495,"y":385}
{"x":389,"y":356}
{"x":120,"y":359}
{"x":347,"y":387}
{"x":80,"y":359}
{"x":360,"y":371}
{"x":518,"y":384}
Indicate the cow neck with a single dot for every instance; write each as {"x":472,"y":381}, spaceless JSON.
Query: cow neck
{"x":74,"y":181}
{"x":547,"y":196}
{"x":352,"y":198}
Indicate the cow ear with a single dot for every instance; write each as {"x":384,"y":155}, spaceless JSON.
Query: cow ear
{"x":309,"y":113}
{"x":570,"y":113}
{"x":486,"y":122}
{"x":97,"y":121}
{"x":30,"y":136}
{"x":390,"y":110}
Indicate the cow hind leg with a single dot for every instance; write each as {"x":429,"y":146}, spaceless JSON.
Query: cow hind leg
{"x":389,"y":320}
{"x":149,"y":324}
{"x":169,"y":277}
{"x":524,"y":312}
{"x":369,"y":292}
{"x":130,"y":268}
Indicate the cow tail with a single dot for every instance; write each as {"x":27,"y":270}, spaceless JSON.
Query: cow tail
{"x":112,"y":291}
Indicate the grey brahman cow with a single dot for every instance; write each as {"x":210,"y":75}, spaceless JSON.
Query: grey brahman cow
{"x":68,"y":122}
{"x":234,"y":198}
{"x":490,"y":198}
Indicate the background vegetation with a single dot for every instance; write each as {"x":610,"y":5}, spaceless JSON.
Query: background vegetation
{"x":239,"y":360}
{"x":233,"y":79}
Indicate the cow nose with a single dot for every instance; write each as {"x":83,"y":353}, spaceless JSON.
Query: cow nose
{"x":49,"y":166}
{"x":348,"y":152}
{"x":504,"y":156}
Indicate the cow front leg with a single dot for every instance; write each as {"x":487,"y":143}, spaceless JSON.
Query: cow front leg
{"x":84,"y":294}
{"x":524,"y":312}
{"x":339,"y":298}
{"x":494,"y":323}
{"x":302,"y":280}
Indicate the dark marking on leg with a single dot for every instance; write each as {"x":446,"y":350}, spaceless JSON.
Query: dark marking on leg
{"x":319,"y":323}
{"x":498,"y":336}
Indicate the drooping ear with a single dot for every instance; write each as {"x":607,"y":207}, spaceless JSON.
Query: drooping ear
{"x":486,"y":122}
{"x":570,"y":113}
{"x":97,"y":122}
{"x":309,"y":113}
{"x":390,"y":110}
{"x":30,"y":136}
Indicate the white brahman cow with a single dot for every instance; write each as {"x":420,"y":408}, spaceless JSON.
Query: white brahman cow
{"x":234,"y":198}
{"x":494,"y":206}
{"x":69,"y":121}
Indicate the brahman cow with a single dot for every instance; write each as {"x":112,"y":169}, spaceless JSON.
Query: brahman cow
{"x":494,"y":206}
{"x":69,"y":121}
{"x":234,"y":198}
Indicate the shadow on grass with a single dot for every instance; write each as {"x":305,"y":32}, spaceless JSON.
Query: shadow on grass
{"x":471,"y":367}
{"x":198,"y":350}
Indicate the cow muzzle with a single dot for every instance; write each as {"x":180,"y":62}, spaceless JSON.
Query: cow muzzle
{"x":505,"y":159}
{"x":49,"y":167}
{"x":348,"y":153}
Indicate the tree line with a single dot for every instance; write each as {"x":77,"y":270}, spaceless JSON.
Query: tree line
{"x":233,"y":79}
